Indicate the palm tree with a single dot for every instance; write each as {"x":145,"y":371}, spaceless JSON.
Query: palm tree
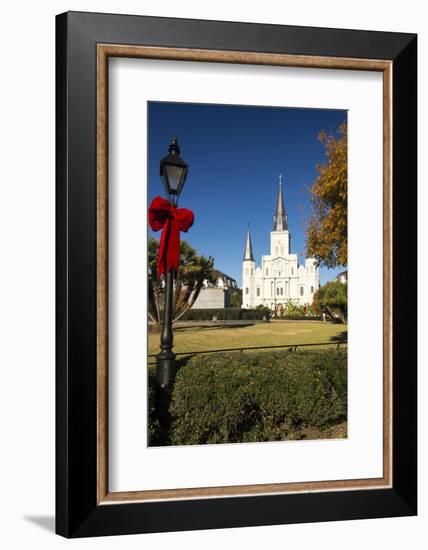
{"x":188,"y":282}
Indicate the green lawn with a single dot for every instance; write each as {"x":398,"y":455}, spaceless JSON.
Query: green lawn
{"x":262,"y":334}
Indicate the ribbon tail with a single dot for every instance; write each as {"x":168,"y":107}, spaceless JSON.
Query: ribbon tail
{"x":173,"y":253}
{"x":163,"y":248}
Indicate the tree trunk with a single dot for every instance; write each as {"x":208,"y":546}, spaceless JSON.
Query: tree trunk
{"x":190,"y":302}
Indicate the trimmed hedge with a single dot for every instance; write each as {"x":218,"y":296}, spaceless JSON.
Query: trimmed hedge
{"x":227,"y":314}
{"x":298,"y":317}
{"x":238,"y":314}
{"x":154,"y":427}
{"x":226,"y":398}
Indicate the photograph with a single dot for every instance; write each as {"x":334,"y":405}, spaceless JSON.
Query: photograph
{"x":247,"y":260}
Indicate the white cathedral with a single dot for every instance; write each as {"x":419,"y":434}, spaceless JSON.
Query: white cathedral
{"x":280,"y":278}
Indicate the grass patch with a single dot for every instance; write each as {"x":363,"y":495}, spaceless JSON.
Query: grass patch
{"x":263,"y":334}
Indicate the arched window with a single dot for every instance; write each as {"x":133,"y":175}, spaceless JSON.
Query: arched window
{"x":279,"y":273}
{"x":282,"y":251}
{"x":258,"y":291}
{"x":292,"y":271}
{"x":276,"y":251}
{"x":267,"y":272}
{"x":312,"y":289}
{"x":246,"y":290}
{"x":271,"y":288}
{"x":252,"y":272}
{"x":246,"y":271}
{"x":302,"y":290}
{"x":277,"y":291}
{"x":282,"y":291}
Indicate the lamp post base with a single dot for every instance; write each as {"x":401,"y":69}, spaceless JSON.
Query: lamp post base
{"x":165,"y":369}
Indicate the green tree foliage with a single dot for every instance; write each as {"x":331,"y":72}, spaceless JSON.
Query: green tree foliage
{"x":192,"y":272}
{"x":332,"y":299}
{"x":327,"y":232}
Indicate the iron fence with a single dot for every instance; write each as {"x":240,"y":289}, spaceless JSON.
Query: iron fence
{"x":289,"y":347}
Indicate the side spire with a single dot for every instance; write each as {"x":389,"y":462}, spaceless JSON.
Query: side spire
{"x":248,"y":254}
{"x":280,"y":217}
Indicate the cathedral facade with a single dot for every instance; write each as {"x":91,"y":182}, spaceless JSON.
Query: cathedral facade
{"x":279,"y":279}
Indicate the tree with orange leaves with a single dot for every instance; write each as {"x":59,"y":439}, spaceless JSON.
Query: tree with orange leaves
{"x":327,"y":232}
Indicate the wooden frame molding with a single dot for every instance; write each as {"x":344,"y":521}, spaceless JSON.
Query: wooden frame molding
{"x":104,"y":52}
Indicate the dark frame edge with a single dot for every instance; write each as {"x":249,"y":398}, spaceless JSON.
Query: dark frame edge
{"x":224,"y":513}
{"x":75,"y":429}
{"x":404,"y":173}
{"x":61,"y":266}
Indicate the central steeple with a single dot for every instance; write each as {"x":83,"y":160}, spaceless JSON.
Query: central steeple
{"x":280,"y":217}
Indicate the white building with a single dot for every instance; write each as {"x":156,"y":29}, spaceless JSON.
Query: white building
{"x":342,"y":277}
{"x":280,"y":278}
{"x":217,"y":294}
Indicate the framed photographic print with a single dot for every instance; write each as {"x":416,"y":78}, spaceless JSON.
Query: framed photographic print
{"x":236,"y":274}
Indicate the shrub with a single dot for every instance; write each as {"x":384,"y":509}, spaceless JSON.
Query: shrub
{"x":228,"y":314}
{"x":299,"y":317}
{"x":291,"y":308}
{"x":226,"y":398}
{"x":154,"y":430}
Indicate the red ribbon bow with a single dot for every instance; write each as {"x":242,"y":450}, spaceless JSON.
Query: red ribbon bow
{"x":162,"y":214}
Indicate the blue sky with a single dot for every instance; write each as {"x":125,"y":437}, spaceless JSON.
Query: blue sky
{"x":235,"y":154}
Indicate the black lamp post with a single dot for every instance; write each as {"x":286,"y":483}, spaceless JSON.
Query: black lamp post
{"x":173,"y":172}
